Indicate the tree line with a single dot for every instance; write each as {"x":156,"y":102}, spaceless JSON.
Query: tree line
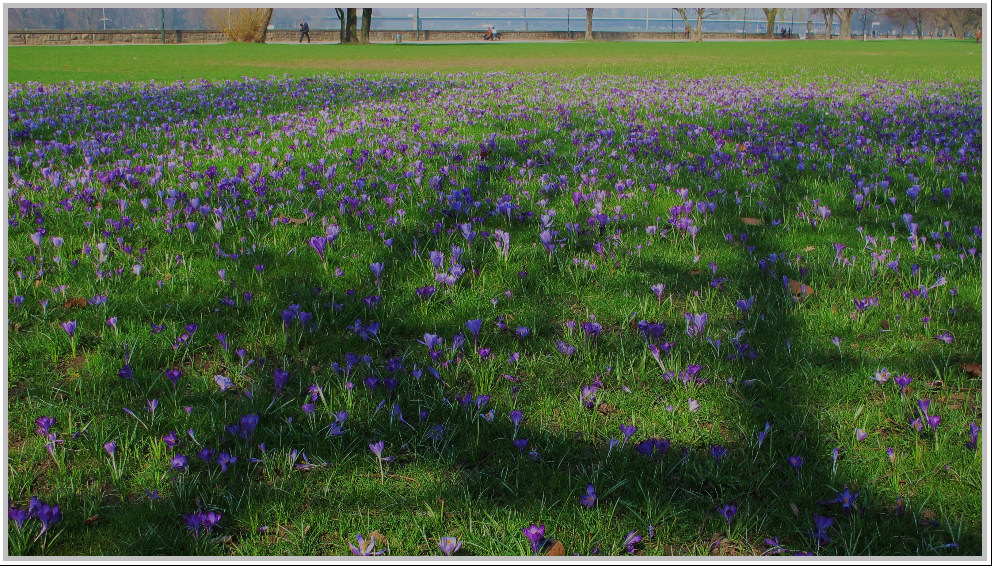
{"x":249,"y":24}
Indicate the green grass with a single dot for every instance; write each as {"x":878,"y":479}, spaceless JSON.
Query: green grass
{"x":470,"y":481}
{"x":896,"y":60}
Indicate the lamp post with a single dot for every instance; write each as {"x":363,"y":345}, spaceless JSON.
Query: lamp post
{"x":104,"y":19}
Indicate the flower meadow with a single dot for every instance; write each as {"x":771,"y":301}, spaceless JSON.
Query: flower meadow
{"x":495,"y":314}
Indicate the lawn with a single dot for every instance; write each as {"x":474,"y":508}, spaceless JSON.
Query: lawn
{"x":673,"y":300}
{"x":897,"y":60}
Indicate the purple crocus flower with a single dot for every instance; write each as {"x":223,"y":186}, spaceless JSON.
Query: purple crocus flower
{"x":973,"y":434}
{"x":820,"y":526}
{"x":17,"y":515}
{"x":178,"y":462}
{"x":47,"y":514}
{"x":631,"y":540}
{"x":796,"y":462}
{"x":695,"y":324}
{"x":845,"y":498}
{"x":449,"y":545}
{"x":534,"y":534}
{"x":223,"y":382}
{"x":377,"y":448}
{"x":718,"y":452}
{"x":110,"y":447}
{"x":280,"y":378}
{"x":728,"y":511}
{"x":903,"y":381}
{"x":588,"y":499}
{"x":628,"y":431}
{"x":515,"y":417}
{"x":365,"y":548}
{"x":69,"y":327}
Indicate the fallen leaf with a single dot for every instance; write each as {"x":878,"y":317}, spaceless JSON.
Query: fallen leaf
{"x":885,"y":325}
{"x":800,"y":290}
{"x":75,"y":303}
{"x":557,"y":549}
{"x":605,"y":409}
{"x":17,"y":327}
{"x":752,"y":221}
{"x":91,"y":521}
{"x":378,"y":538}
{"x":974,"y":370}
{"x":795,"y":510}
{"x":289,"y":220}
{"x":809,"y":248}
{"x":695,"y":272}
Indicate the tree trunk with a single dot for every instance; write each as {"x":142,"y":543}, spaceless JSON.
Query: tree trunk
{"x":366,"y":34}
{"x":344,"y":30}
{"x":698,"y":35}
{"x":845,"y":22}
{"x":770,"y":14}
{"x":828,"y":23}
{"x":261,"y":34}
{"x":589,"y":22}
{"x":351,"y":25}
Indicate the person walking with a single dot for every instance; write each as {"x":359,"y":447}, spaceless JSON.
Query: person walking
{"x":304,"y":30}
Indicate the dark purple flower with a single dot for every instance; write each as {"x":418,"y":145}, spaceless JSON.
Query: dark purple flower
{"x":47,"y":514}
{"x":973,"y":434}
{"x":69,"y":327}
{"x":628,"y":431}
{"x":178,"y":462}
{"x":17,"y":515}
{"x":631,"y":540}
{"x":728,"y":511}
{"x":718,"y":452}
{"x":280,"y":378}
{"x":796,"y":462}
{"x":520,"y":443}
{"x":845,"y":498}
{"x":903,"y":381}
{"x":588,"y":499}
{"x":534,"y":534}
{"x":820,"y":526}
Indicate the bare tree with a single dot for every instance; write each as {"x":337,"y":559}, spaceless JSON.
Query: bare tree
{"x":696,"y":34}
{"x":828,"y":20}
{"x":351,"y":25}
{"x":263,"y":29}
{"x":770,"y":14}
{"x":959,"y":20}
{"x":364,"y":35}
{"x":344,"y":24}
{"x":845,"y":14}
{"x":589,"y":22}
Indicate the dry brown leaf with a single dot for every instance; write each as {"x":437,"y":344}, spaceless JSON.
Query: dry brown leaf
{"x":17,"y":327}
{"x":289,"y":220}
{"x":974,"y":370}
{"x":809,"y":248}
{"x":605,"y":409}
{"x":379,"y":539}
{"x":695,"y":272}
{"x":885,"y":325}
{"x":557,"y":549}
{"x":752,"y":221}
{"x":795,"y":510}
{"x":800,"y":290}
{"x":75,"y":303}
{"x":92,"y":520}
